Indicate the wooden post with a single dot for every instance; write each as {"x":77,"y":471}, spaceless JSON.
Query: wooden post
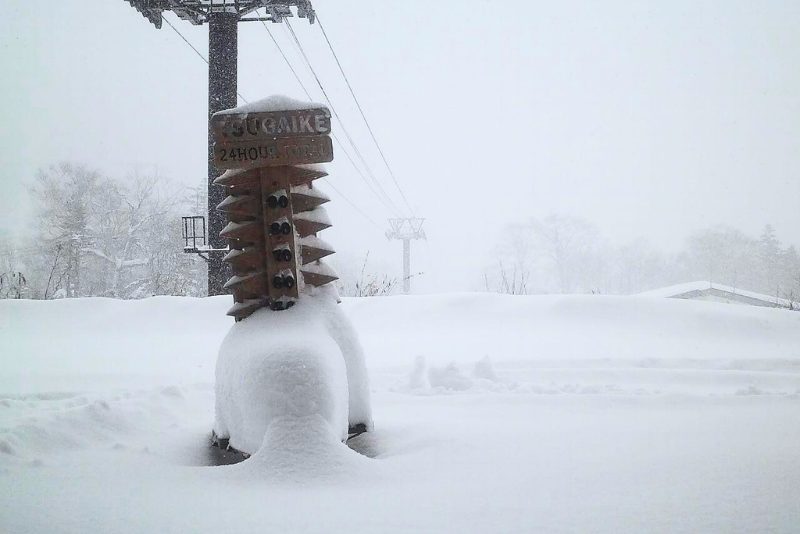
{"x":279,"y":237}
{"x":274,"y":212}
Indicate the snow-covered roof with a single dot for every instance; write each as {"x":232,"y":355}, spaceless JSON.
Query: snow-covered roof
{"x":704,"y":285}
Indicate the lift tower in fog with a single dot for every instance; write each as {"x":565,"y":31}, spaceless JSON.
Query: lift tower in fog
{"x":406,"y":229}
{"x":222,"y":17}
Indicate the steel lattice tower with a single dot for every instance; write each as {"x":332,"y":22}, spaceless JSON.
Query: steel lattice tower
{"x":406,"y":229}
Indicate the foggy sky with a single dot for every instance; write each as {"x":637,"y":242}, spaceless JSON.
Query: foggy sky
{"x":649,"y":119}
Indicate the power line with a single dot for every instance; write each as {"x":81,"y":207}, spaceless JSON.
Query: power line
{"x":393,"y":207}
{"x":389,"y":206}
{"x":286,"y":60}
{"x":333,"y":110}
{"x":196,"y":51}
{"x":363,"y":116}
{"x":335,"y":137}
{"x":367,"y":217}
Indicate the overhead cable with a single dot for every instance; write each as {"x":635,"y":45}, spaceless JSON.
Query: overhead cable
{"x":363,"y":116}
{"x":196,"y":51}
{"x":333,"y":110}
{"x":355,"y":207}
{"x":372,"y":189}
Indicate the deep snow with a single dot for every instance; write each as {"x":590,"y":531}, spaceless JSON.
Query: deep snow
{"x":492,"y":414}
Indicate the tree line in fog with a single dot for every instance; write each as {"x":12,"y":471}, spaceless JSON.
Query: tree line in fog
{"x":564,"y":254}
{"x":95,"y":235}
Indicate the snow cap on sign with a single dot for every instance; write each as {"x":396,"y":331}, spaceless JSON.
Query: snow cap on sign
{"x":317,"y":215}
{"x":306,"y":190}
{"x":270,"y":104}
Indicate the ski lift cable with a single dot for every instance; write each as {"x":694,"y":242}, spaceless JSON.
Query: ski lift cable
{"x":335,"y":137}
{"x":196,"y":51}
{"x":308,"y":94}
{"x":355,"y":207}
{"x":286,"y":60}
{"x":363,"y":116}
{"x":333,"y":110}
{"x":364,"y":178}
{"x":338,"y":118}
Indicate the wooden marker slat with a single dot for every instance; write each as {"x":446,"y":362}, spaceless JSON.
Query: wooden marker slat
{"x":277,"y":152}
{"x":306,"y":228}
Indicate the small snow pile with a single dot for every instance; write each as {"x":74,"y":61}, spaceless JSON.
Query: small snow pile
{"x":484,"y":370}
{"x":272,"y":103}
{"x":418,"y":379}
{"x":450,"y":378}
{"x":304,"y":363}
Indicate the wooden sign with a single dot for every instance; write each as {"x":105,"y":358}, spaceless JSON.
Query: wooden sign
{"x":273,"y":152}
{"x":231,"y":127}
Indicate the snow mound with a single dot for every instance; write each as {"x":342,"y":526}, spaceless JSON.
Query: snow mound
{"x":304,"y":363}
{"x":484,"y":370}
{"x":418,"y":378}
{"x":297,"y":449}
{"x":449,"y":377}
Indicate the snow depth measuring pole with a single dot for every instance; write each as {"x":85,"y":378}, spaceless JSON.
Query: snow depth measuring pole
{"x":273,"y":210}
{"x":223,"y":18}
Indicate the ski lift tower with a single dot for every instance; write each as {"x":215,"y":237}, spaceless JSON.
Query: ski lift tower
{"x":406,"y":229}
{"x":222,"y":17}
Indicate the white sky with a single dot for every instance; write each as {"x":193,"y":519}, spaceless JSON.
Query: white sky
{"x":650,"y":119}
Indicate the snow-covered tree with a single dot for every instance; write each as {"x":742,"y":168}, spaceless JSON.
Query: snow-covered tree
{"x":64,"y":195}
{"x":117,"y":238}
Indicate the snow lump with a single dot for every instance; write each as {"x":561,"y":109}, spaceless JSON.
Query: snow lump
{"x":305,"y":363}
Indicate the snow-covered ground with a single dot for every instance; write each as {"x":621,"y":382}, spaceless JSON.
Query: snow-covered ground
{"x":492,"y":414}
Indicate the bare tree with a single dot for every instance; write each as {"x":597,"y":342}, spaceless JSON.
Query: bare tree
{"x":637,"y":266}
{"x":13,"y":282}
{"x":573,"y":245}
{"x":567,"y":254}
{"x":100,"y":236}
{"x":368,"y":284}
{"x":63,"y":195}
